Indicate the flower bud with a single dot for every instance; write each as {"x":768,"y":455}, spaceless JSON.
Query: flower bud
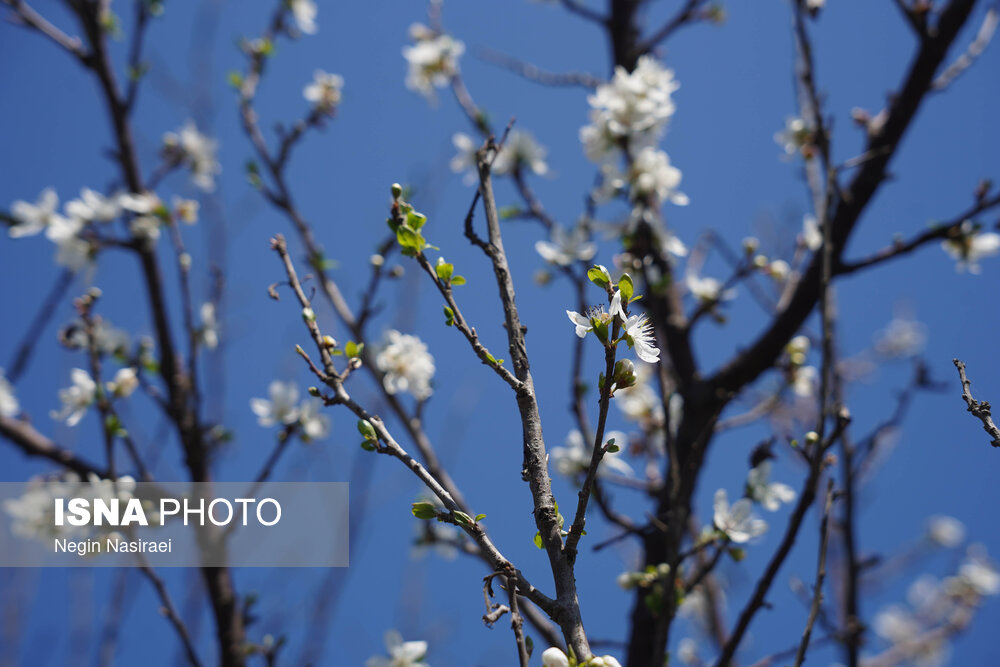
{"x":308,"y":315}
{"x":329,"y":342}
{"x":397,"y":190}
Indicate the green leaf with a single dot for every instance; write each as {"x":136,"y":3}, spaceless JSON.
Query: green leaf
{"x":458,"y":280}
{"x":598,"y":277}
{"x":737,"y":554}
{"x":444,"y":270}
{"x":235,"y":79}
{"x":424,"y":510}
{"x":415,"y":220}
{"x":508,"y":212}
{"x":366,"y":429}
{"x":449,"y":316}
{"x":352,"y":349}
{"x":462,"y":518}
{"x":626,"y":287}
{"x":538,"y":540}
{"x":529,"y":644}
{"x":480,"y":517}
{"x":612,"y":448}
{"x":410,"y":239}
{"x":367,"y":446}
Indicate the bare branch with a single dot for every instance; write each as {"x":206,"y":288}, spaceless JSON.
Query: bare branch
{"x":979,"y":409}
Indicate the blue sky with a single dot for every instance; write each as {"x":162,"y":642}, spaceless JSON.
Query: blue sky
{"x":736,"y":90}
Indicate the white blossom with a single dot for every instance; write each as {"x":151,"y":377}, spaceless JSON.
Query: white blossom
{"x":632,"y":107}
{"x":565,"y":248}
{"x":76,"y":398}
{"x":108,"y":339}
{"x":737,"y":522}
{"x":465,"y":160}
{"x":640,"y":402}
{"x":945,"y":531}
{"x":9,"y":406}
{"x":94,"y":207}
{"x":34,"y":218}
{"x":902,"y":337}
{"x":209,"y":331}
{"x":33,"y":513}
{"x":585,"y":323}
{"x":649,"y":174}
{"x":124,"y":383}
{"x":146,"y":229}
{"x":406,"y":363}
{"x":970,"y":245}
{"x":433,"y":60}
{"x":315,"y":424}
{"x":304,"y":13}
{"x":795,"y":136}
{"x":769,"y":494}
{"x":401,"y":654}
{"x":197,"y":151}
{"x":186,"y":209}
{"x":979,"y":573}
{"x":325,"y":91}
{"x":639,"y":331}
{"x":520,"y":150}
{"x":281,"y":408}
{"x":805,"y":380}
{"x":554,"y":657}
{"x":707,"y":289}
{"x":812,"y":236}
{"x":575,"y":457}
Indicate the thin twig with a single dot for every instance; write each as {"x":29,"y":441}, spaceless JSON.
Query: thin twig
{"x":979,"y":409}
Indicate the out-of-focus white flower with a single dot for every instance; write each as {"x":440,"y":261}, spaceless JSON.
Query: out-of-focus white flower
{"x":209,"y":332}
{"x":465,"y":160}
{"x":433,"y":60}
{"x":315,"y":424}
{"x":639,"y":332}
{"x":94,"y":207}
{"x":896,"y":624}
{"x":687,"y":651}
{"x":769,"y":494}
{"x":811,"y":237}
{"x":632,"y":108}
{"x":281,"y":408}
{"x":304,"y":13}
{"x":707,"y":289}
{"x":554,"y":657}
{"x":945,"y":531}
{"x":124,"y":383}
{"x":969,"y":245}
{"x":640,"y":402}
{"x":197,"y":151}
{"x":9,"y":406}
{"x":33,"y":513}
{"x":796,"y":135}
{"x":34,"y":218}
{"x":143,"y":203}
{"x":72,"y":252}
{"x":574,"y":458}
{"x":520,"y":150}
{"x":902,"y":337}
{"x":401,"y":654}
{"x":804,"y":381}
{"x":186,"y":209}
{"x":815,"y":5}
{"x":145,"y":229}
{"x":407,"y":364}
{"x":565,"y":248}
{"x":604,"y":661}
{"x":108,"y":339}
{"x":650,"y":174}
{"x":798,"y":349}
{"x":325,"y":91}
{"x":978,"y":572}
{"x":76,"y":398}
{"x":737,"y":522}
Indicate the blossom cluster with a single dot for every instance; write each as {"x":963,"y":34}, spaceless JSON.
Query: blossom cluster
{"x":283,"y":407}
{"x":628,"y":117}
{"x":406,"y":364}
{"x":433,"y":60}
